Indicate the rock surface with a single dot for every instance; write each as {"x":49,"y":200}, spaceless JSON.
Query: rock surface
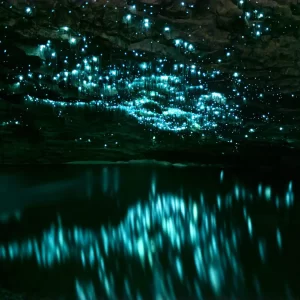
{"x":211,"y":26}
{"x":258,"y":39}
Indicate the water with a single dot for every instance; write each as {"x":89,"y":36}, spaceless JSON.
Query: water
{"x":149,"y":232}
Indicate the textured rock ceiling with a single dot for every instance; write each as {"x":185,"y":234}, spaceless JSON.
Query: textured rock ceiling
{"x":158,"y":60}
{"x":211,"y":26}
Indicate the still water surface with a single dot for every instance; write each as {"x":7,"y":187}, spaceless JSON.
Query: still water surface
{"x":149,"y":232}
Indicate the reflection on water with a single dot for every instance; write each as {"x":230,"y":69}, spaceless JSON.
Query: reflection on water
{"x":221,"y":243}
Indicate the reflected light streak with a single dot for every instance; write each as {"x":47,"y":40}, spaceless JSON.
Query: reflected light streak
{"x":167,"y":225}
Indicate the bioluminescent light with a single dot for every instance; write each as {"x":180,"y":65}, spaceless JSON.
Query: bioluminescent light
{"x":146,"y":23}
{"x":161,"y":93}
{"x":72,"y":40}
